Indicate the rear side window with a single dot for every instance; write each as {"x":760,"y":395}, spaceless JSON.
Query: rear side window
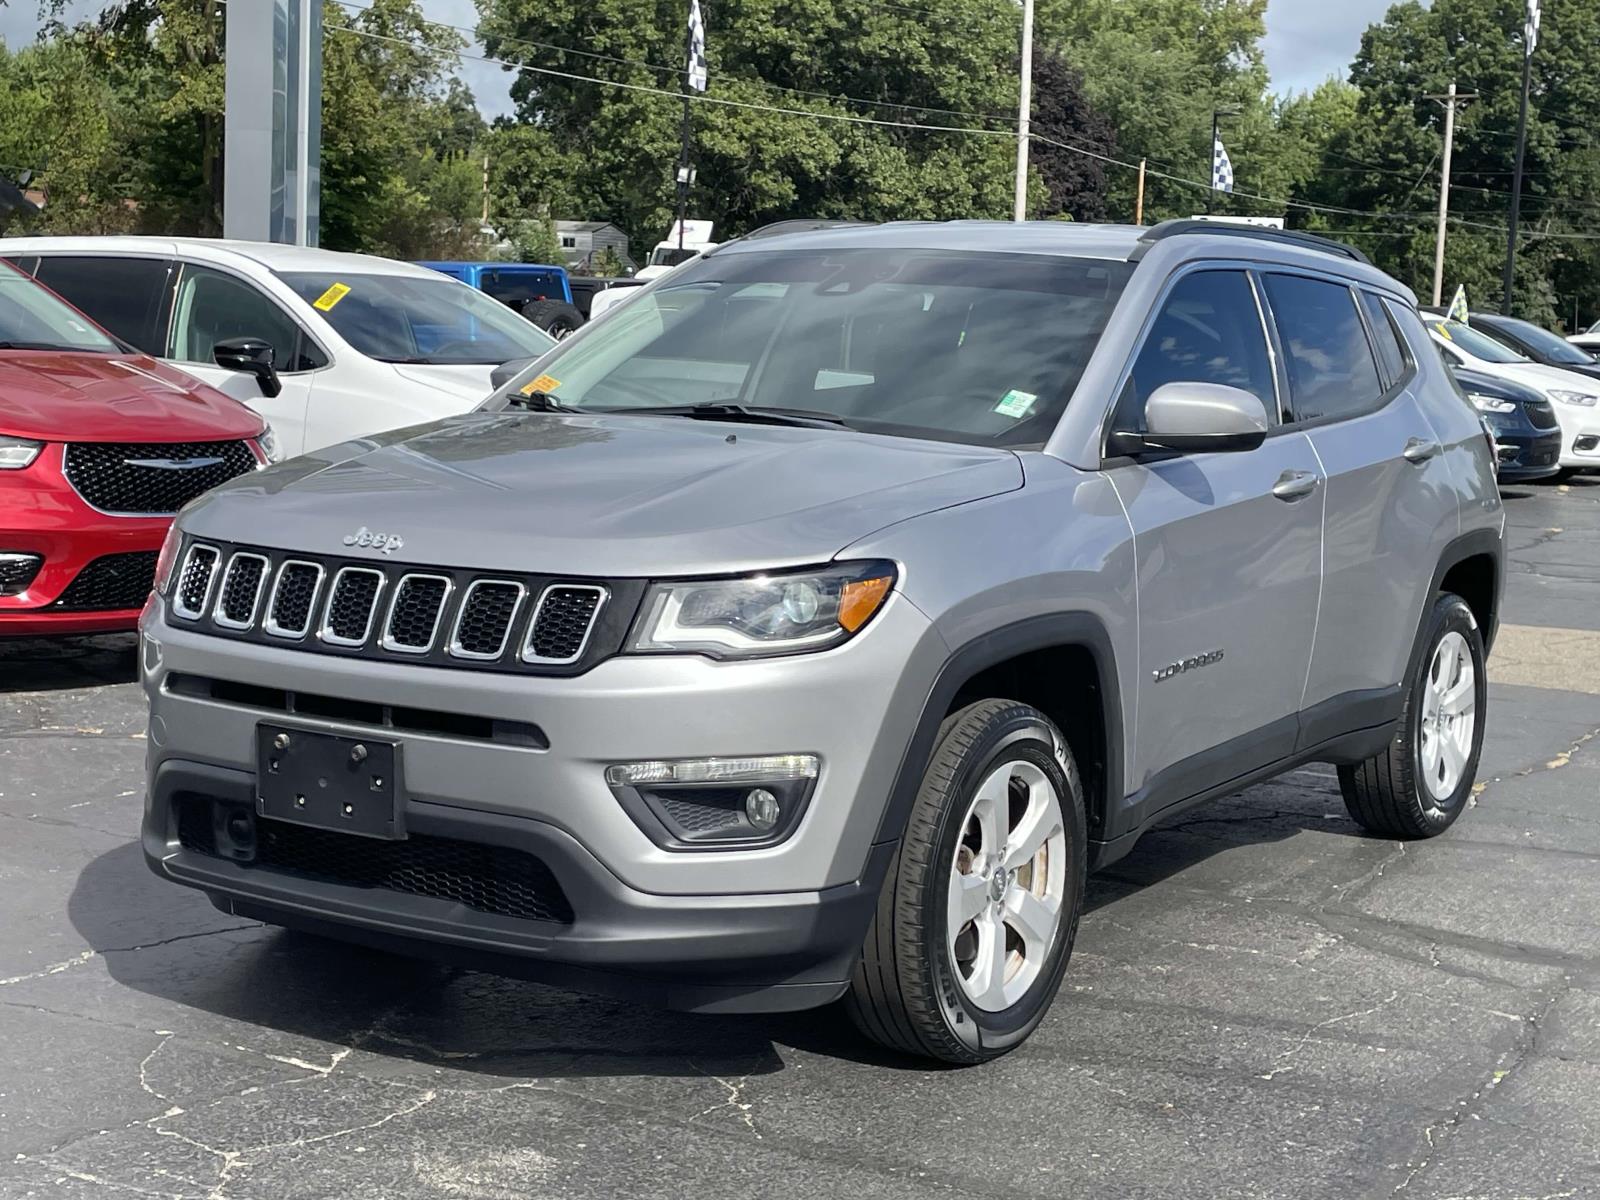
{"x":1208,"y":331}
{"x":516,"y":288}
{"x":1385,"y":339}
{"x":1331,"y":369}
{"x":128,"y":296}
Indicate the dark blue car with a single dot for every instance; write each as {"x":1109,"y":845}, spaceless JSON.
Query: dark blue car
{"x":1524,"y":425}
{"x":541,"y":293}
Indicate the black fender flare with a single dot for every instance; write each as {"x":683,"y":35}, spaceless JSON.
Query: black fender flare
{"x":1476,"y":543}
{"x":1067,"y":629}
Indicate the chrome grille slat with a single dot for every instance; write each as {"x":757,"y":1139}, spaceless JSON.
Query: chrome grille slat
{"x":358,"y":589}
{"x":516,"y":622}
{"x":293,"y":598}
{"x":562,"y":621}
{"x":418,"y":602}
{"x":239,"y":597}
{"x":488,"y":613}
{"x":195,"y":581}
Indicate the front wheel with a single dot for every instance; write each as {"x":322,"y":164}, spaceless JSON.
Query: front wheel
{"x":977,"y":917}
{"x":1419,"y":784}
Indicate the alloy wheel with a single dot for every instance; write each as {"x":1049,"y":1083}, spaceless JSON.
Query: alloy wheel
{"x":1007,"y":885}
{"x":1449,"y":713}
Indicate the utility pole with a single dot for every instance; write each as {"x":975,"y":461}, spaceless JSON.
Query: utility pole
{"x":1450,"y":99}
{"x":1019,"y":207}
{"x":1530,"y":40}
{"x":1138,"y":203}
{"x":485,"y":189}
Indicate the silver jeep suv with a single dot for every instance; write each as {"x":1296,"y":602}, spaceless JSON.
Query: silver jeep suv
{"x":811,"y":626}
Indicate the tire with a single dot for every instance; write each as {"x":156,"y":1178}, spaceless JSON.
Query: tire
{"x":1419,"y":785}
{"x":918,"y":988}
{"x":555,"y":317}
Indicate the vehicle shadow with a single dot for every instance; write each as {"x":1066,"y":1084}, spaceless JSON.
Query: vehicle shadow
{"x":168,"y":943}
{"x":48,"y":664}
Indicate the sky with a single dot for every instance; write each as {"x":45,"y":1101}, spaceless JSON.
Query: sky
{"x":1307,"y":40}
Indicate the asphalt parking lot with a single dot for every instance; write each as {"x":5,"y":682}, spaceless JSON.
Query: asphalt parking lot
{"x":1263,"y":1002}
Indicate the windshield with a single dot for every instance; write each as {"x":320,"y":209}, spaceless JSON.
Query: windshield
{"x":977,"y":348}
{"x":1479,"y":345}
{"x":33,"y":318}
{"x":671,"y":256}
{"x":407,"y":319}
{"x":1553,"y":346}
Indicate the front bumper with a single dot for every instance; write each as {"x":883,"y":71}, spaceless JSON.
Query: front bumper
{"x":41,"y":514}
{"x":1537,"y":454}
{"x":698,"y":953}
{"x":739,"y":922}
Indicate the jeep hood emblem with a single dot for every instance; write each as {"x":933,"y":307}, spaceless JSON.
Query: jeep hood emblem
{"x":365,"y":539}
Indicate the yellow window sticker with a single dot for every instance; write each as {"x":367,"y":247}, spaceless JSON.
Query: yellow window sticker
{"x":545,"y":384}
{"x":335,"y":293}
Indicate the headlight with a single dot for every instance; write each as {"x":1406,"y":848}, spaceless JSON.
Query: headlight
{"x":16,"y":453}
{"x":167,"y":557}
{"x":781,"y":613}
{"x":268,"y":441}
{"x":1491,"y":404}
{"x":1582,"y":399}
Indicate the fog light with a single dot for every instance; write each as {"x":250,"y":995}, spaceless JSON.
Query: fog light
{"x":761,"y":807}
{"x":17,"y":571}
{"x":714,"y":770}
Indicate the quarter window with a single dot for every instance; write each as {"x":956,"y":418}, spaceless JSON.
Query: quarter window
{"x":1208,"y":331}
{"x":213,"y":307}
{"x":1385,"y":338}
{"x":1331,"y":369}
{"x":124,"y":295}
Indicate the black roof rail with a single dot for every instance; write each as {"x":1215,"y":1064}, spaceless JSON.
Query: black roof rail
{"x":800,"y":225}
{"x":1288,"y":237}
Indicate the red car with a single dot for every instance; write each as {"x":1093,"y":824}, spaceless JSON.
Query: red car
{"x":99,"y":447}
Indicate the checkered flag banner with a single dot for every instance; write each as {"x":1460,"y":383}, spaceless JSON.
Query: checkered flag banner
{"x":697,"y":48}
{"x":1530,"y":28}
{"x":1221,"y":168}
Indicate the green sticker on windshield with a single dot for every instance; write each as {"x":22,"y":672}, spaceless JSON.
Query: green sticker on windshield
{"x":1015,"y":404}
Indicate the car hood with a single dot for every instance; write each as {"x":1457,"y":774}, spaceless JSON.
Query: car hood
{"x":602,"y":494}
{"x":55,"y":396}
{"x":1544,"y":378}
{"x":469,"y":382}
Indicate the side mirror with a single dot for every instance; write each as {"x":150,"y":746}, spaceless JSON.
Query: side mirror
{"x":506,"y":372}
{"x":1196,"y":418}
{"x":253,"y":356}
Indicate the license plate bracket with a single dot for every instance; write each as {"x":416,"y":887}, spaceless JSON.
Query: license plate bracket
{"x":329,"y":781}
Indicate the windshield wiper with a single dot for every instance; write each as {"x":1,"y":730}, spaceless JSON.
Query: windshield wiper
{"x":758,"y":415}
{"x":537,"y":402}
{"x":37,"y":346}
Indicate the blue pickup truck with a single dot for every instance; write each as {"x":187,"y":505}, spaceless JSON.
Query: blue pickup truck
{"x":542,"y":294}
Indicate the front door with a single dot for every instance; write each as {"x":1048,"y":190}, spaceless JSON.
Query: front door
{"x":1228,"y":553}
{"x":213,"y":306}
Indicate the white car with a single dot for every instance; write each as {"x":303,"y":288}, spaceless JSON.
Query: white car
{"x":1575,"y":398}
{"x":326,"y":346}
{"x":1589,"y":339}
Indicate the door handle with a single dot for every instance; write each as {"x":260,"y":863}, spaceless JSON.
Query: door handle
{"x":1419,"y":450}
{"x":1294,"y":485}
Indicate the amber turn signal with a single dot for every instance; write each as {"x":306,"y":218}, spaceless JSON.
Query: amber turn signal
{"x":860,"y":599}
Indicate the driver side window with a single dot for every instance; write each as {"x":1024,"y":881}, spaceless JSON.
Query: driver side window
{"x":213,"y":307}
{"x":1208,"y":331}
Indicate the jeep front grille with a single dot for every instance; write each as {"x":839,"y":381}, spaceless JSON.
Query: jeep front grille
{"x":151,"y":478}
{"x":441,"y":616}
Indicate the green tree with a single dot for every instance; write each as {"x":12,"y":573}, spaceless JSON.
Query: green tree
{"x":754,"y":164}
{"x":535,"y":241}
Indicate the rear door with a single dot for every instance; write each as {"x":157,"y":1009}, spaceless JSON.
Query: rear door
{"x":1228,"y":550}
{"x":1390,"y":501}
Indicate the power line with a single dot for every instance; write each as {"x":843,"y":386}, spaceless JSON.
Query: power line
{"x":472,"y":35}
{"x":858,"y":119}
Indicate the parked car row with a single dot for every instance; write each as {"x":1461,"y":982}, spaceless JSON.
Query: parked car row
{"x":1544,"y":383}
{"x":138,"y":373}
